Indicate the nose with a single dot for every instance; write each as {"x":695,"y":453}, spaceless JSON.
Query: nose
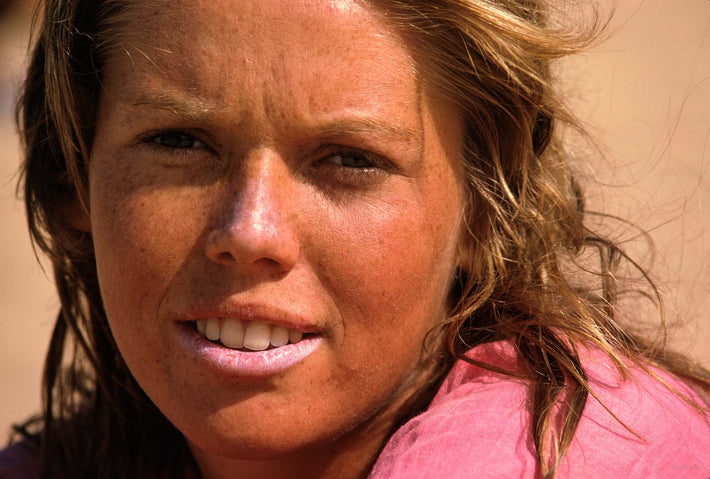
{"x":255,"y":226}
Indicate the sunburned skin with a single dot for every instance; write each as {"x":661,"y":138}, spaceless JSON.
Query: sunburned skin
{"x":276,"y":164}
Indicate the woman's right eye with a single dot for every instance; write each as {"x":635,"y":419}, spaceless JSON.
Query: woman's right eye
{"x":175,"y":148}
{"x":176,"y":139}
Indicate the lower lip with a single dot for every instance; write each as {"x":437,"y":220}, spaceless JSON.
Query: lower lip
{"x":234,"y":363}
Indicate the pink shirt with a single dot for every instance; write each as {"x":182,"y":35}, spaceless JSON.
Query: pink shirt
{"x":478,"y":426}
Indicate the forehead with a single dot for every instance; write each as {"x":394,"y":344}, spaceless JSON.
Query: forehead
{"x":267,"y":44}
{"x":252,"y":30}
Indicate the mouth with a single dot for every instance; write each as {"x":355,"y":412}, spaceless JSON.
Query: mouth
{"x":241,"y":335}
{"x":246,"y":348}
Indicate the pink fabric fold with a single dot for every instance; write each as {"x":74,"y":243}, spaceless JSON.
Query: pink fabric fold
{"x":478,"y":426}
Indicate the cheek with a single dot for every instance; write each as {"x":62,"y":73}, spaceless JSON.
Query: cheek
{"x":388,"y":262}
{"x":388,"y":270}
{"x":130,"y":238}
{"x":142,"y":238}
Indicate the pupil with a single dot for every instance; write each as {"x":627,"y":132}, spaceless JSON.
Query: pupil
{"x":176,"y":140}
{"x":355,"y":161}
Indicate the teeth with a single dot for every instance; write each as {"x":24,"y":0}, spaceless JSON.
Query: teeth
{"x":279,"y":336}
{"x":253,"y":335}
{"x":257,"y":337}
{"x":212,"y":329}
{"x":232,"y":334}
{"x":294,"y":336}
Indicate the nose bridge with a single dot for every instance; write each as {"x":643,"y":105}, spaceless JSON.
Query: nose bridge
{"x":256,"y":223}
{"x":256,"y":194}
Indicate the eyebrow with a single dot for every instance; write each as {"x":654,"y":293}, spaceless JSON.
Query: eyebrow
{"x":352,"y":126}
{"x":343,"y":126}
{"x":186,"y":107}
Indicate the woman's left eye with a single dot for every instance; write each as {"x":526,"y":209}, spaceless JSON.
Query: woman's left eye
{"x":351,"y":168}
{"x":351,"y":160}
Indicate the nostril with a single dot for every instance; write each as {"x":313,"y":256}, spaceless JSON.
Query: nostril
{"x":226,"y":257}
{"x":269,"y":263}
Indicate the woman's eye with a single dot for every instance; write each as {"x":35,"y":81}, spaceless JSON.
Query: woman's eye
{"x":175,"y":148}
{"x":350,"y":168}
{"x":351,"y":160}
{"x":177,"y":139}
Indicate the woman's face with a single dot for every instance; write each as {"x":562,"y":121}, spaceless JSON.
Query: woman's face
{"x":274,"y":166}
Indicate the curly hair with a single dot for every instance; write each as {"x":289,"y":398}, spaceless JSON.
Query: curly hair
{"x":525,"y":218}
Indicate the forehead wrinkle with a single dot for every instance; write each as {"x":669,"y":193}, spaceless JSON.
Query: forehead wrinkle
{"x":181,"y":92}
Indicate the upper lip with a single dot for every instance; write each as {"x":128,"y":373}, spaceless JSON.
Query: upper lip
{"x":268,"y":313}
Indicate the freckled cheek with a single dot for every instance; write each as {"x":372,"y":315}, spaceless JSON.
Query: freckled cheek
{"x":141,"y":242}
{"x":387,"y":264}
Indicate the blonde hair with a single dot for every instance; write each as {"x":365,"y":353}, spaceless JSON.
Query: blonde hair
{"x":524,"y":217}
{"x":526,"y":212}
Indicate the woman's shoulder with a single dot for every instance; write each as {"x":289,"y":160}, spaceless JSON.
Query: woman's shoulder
{"x":478,"y":425}
{"x":20,"y":461}
{"x":648,"y":425}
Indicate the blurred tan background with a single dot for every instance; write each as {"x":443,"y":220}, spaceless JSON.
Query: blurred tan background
{"x":644,"y":94}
